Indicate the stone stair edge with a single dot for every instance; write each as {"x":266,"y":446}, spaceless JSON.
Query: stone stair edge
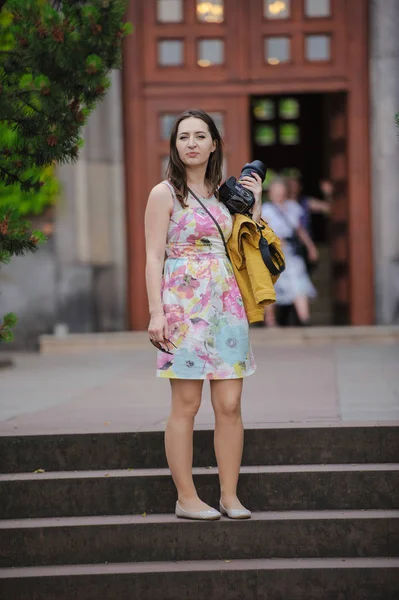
{"x":267,"y":427}
{"x":211,"y":470}
{"x":314,"y":443}
{"x":170,"y":518}
{"x":269,"y":564}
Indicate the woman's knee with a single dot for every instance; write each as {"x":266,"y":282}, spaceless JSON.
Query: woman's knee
{"x":228,"y":408}
{"x":186,"y":399}
{"x":226,"y":401}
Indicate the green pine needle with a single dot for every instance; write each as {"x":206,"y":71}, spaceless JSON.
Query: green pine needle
{"x":6,"y":335}
{"x":10,"y":320}
{"x":55,"y":62}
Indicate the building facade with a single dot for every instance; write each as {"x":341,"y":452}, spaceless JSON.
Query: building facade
{"x":309,"y":85}
{"x":289,"y":83}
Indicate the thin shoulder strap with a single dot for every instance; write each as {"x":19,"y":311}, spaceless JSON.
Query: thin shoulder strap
{"x":284,"y":216}
{"x":267,"y":251}
{"x":213,"y":219}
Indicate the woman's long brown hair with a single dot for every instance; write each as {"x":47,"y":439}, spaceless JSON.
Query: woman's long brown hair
{"x":176,"y":171}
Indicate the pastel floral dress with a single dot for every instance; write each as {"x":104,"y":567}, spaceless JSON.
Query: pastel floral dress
{"x":201,"y":299}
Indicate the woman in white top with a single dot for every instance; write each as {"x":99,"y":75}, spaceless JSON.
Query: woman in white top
{"x":294,"y":285}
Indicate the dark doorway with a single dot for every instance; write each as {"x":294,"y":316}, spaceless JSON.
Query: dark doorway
{"x":289,"y":133}
{"x":292,"y":135}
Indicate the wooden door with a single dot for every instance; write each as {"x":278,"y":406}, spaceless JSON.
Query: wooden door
{"x":339,"y":227}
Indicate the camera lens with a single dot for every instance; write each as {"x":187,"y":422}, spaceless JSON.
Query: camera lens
{"x":258,"y":166}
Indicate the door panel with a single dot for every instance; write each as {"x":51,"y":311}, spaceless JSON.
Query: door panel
{"x":337,"y":122}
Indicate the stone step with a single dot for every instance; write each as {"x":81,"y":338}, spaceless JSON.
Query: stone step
{"x":288,"y":487}
{"x":267,"y":579}
{"x":144,"y":450}
{"x":118,"y":538}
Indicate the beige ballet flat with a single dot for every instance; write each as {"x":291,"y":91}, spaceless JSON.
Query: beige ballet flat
{"x":235,"y":513}
{"x":204,"y":515}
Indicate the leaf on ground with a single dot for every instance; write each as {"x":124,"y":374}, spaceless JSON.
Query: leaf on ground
{"x":227,"y":561}
{"x":39,"y":471}
{"x":144,"y":514}
{"x":106,"y":422}
{"x":130,"y":469}
{"x":106,"y":475}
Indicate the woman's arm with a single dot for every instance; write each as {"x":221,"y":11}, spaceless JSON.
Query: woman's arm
{"x":307,"y":240}
{"x":319,"y":206}
{"x":323,"y":206}
{"x":157,"y":216}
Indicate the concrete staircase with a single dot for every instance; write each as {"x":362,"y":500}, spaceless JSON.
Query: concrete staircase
{"x":97,"y":524}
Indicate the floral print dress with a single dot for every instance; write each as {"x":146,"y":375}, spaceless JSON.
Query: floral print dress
{"x":202,"y":302}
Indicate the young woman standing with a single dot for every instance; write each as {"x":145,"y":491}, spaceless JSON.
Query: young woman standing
{"x":197,"y":320}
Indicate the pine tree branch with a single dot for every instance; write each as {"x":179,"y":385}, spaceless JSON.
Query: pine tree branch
{"x":38,"y":111}
{"x":12,"y":175}
{"x":24,"y":123}
{"x":21,"y":152}
{"x":20,"y":93}
{"x":54,"y":76}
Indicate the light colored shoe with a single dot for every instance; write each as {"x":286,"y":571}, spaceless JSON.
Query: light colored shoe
{"x":205,"y":515}
{"x":235,"y":513}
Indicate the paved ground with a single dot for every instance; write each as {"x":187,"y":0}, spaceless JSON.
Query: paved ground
{"x":117,"y":390}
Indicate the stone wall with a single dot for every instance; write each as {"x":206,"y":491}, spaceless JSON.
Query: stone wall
{"x":27,"y":287}
{"x":90,"y":240}
{"x":384,"y":80}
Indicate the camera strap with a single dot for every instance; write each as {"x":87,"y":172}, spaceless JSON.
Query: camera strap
{"x":268,"y":252}
{"x":213,"y":219}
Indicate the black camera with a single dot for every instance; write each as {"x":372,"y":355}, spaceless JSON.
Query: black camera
{"x":236,"y":197}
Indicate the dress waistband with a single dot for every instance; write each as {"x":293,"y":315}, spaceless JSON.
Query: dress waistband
{"x":196,"y":255}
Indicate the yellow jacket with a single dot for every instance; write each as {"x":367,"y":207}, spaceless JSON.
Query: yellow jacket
{"x":254,"y":279}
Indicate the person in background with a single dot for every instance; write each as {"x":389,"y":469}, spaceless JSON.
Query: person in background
{"x":294,"y":286}
{"x":308,"y":203}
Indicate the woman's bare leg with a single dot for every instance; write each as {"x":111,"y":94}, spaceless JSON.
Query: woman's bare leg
{"x":270,"y":316}
{"x":229,"y":437}
{"x":186,"y":400}
{"x":302,"y":308}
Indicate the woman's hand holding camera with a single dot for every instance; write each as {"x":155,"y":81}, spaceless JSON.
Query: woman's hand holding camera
{"x":254,"y":185}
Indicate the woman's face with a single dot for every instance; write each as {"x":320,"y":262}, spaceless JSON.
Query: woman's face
{"x":277,"y":192}
{"x":194,"y":142}
{"x":294,"y":188}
